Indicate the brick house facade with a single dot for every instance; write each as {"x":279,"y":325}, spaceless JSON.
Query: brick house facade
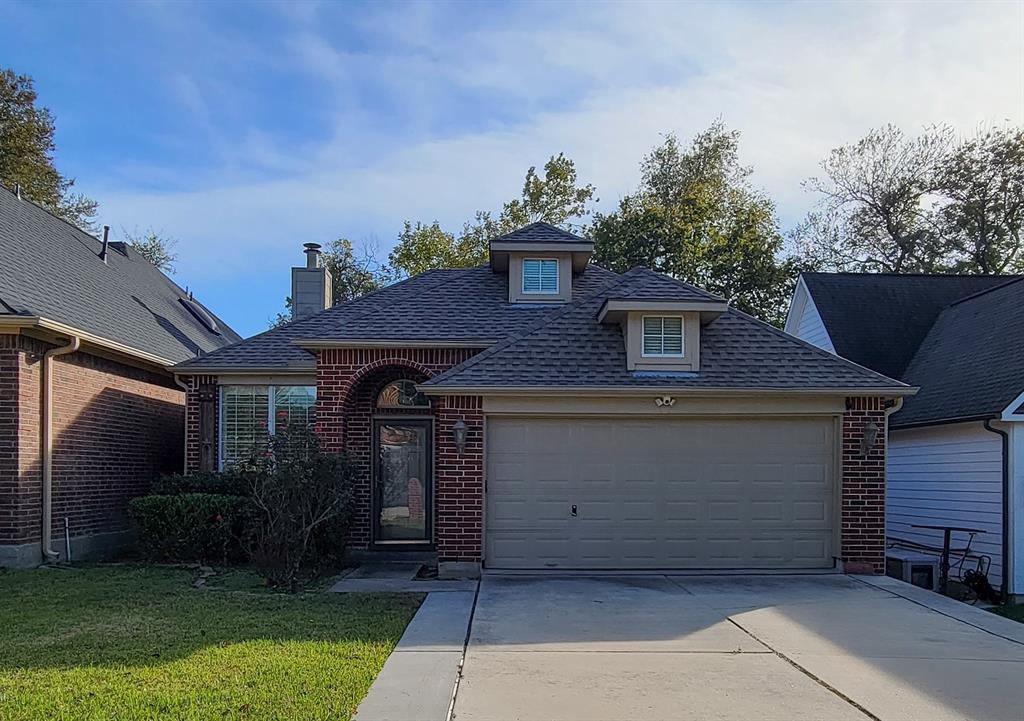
{"x":549,"y":424}
{"x":116,"y":428}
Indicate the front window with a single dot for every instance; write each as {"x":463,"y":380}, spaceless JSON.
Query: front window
{"x":250,"y":414}
{"x":663,"y":336}
{"x":540,"y":276}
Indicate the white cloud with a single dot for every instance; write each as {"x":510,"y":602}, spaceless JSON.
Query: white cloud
{"x":598,"y":82}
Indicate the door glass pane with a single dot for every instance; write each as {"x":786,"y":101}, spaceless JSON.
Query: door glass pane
{"x":401,"y":482}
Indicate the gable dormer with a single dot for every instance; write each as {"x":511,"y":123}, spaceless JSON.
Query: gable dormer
{"x":661,"y":321}
{"x":541,"y":262}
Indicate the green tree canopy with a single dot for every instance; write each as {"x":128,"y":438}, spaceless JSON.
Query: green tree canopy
{"x":926,"y":204}
{"x":154,"y":247}
{"x":696,"y":217}
{"x":555,"y":198}
{"x":26,"y":153}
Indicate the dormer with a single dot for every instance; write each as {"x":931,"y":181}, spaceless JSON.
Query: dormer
{"x":541,"y":262}
{"x":662,"y":335}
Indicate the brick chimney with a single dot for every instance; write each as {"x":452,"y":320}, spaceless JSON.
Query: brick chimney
{"x":311,"y":285}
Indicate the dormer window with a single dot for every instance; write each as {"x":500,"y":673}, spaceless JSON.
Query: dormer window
{"x":662,"y":336}
{"x":540,"y":276}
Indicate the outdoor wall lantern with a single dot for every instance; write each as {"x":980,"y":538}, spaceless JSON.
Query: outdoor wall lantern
{"x":459,"y":432}
{"x":867,"y":440}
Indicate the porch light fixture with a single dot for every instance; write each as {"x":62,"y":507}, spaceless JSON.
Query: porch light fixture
{"x":459,"y":432}
{"x":868,"y":438}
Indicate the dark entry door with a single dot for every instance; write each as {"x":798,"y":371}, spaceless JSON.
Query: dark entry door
{"x":402,"y":481}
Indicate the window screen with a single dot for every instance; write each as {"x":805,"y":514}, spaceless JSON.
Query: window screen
{"x":663,"y":335}
{"x":540,"y":275}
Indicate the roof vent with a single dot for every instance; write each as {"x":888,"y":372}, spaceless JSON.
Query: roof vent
{"x":106,"y":242}
{"x":200,"y":314}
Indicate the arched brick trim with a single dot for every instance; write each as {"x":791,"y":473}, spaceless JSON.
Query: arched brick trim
{"x":348,"y":380}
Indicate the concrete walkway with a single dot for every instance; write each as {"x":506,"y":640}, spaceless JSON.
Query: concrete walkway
{"x":418,"y":679}
{"x":773,"y":648}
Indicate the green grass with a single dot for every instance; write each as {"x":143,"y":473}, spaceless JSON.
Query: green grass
{"x":1015,"y":612}
{"x":134,"y":642}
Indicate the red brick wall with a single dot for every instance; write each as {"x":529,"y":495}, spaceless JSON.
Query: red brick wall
{"x":460,"y":480}
{"x":116,"y":428}
{"x":863,"y":491}
{"x":348,"y":381}
{"x":192,"y":419}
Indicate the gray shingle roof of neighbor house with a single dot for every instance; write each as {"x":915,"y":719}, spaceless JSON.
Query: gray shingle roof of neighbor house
{"x":880,"y":319}
{"x":971,"y":362}
{"x":51,"y":269}
{"x":572,"y":349}
{"x":545,"y":345}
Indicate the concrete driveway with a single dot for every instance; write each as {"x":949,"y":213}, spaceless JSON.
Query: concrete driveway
{"x":766,"y":647}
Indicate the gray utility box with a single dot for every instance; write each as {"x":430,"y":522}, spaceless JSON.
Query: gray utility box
{"x":915,"y":567}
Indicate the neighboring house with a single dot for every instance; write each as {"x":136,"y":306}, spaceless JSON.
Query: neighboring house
{"x":89,"y":413}
{"x":540,"y":412}
{"x":956,"y":449}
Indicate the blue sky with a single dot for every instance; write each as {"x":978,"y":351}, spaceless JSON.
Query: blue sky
{"x":245,"y":129}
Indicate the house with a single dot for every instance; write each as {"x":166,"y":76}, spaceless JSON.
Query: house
{"x":540,"y":412}
{"x":956,"y":449}
{"x":89,"y":412}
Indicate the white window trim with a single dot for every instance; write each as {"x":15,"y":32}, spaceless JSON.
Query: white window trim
{"x":522,"y":282}
{"x":682,"y":337}
{"x":271,"y":412}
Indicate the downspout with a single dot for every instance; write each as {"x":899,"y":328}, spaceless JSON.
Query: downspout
{"x":47,"y":442}
{"x":1005,"y":580}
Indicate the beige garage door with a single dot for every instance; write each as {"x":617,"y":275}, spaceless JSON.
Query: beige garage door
{"x":660,"y":493}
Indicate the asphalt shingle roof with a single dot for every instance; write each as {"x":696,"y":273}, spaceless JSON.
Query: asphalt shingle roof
{"x":539,"y":232}
{"x":880,"y":319}
{"x":449,"y":305}
{"x":971,"y":363}
{"x":573,"y":349}
{"x":52,"y":269}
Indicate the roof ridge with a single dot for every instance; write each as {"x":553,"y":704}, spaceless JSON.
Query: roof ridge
{"x":998,"y":286}
{"x":677,"y":281}
{"x":24,"y":199}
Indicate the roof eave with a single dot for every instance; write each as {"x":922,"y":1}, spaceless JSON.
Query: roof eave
{"x":471,"y":390}
{"x":52,"y":326}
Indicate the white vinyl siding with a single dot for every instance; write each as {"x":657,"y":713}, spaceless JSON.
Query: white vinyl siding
{"x":947,"y":475}
{"x":540,"y":276}
{"x":806,"y":322}
{"x":249,"y":414}
{"x":663,"y":336}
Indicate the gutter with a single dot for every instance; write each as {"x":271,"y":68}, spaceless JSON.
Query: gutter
{"x":642,"y":391}
{"x":1005,"y":581}
{"x":35,"y":321}
{"x":46,"y":432}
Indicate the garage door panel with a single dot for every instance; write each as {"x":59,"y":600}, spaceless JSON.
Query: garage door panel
{"x":662,"y":493}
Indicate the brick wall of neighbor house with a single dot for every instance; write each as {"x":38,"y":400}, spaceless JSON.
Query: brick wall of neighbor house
{"x":863,"y":490}
{"x":116,"y":428}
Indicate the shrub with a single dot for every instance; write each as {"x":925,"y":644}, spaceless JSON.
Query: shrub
{"x":301,"y":501}
{"x":188,"y":526}
{"x":227,"y":483}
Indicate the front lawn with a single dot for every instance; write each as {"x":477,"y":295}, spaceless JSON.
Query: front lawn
{"x":132,"y":642}
{"x":1016,"y":611}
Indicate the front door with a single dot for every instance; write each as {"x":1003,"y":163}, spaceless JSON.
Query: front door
{"x":402,"y":482}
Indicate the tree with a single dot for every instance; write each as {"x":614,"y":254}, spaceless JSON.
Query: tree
{"x":154,"y":247}
{"x":695,"y":217}
{"x":554,"y":198}
{"x":982,"y":183}
{"x":930,"y":204}
{"x":26,"y":153}
{"x":351,"y":277}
